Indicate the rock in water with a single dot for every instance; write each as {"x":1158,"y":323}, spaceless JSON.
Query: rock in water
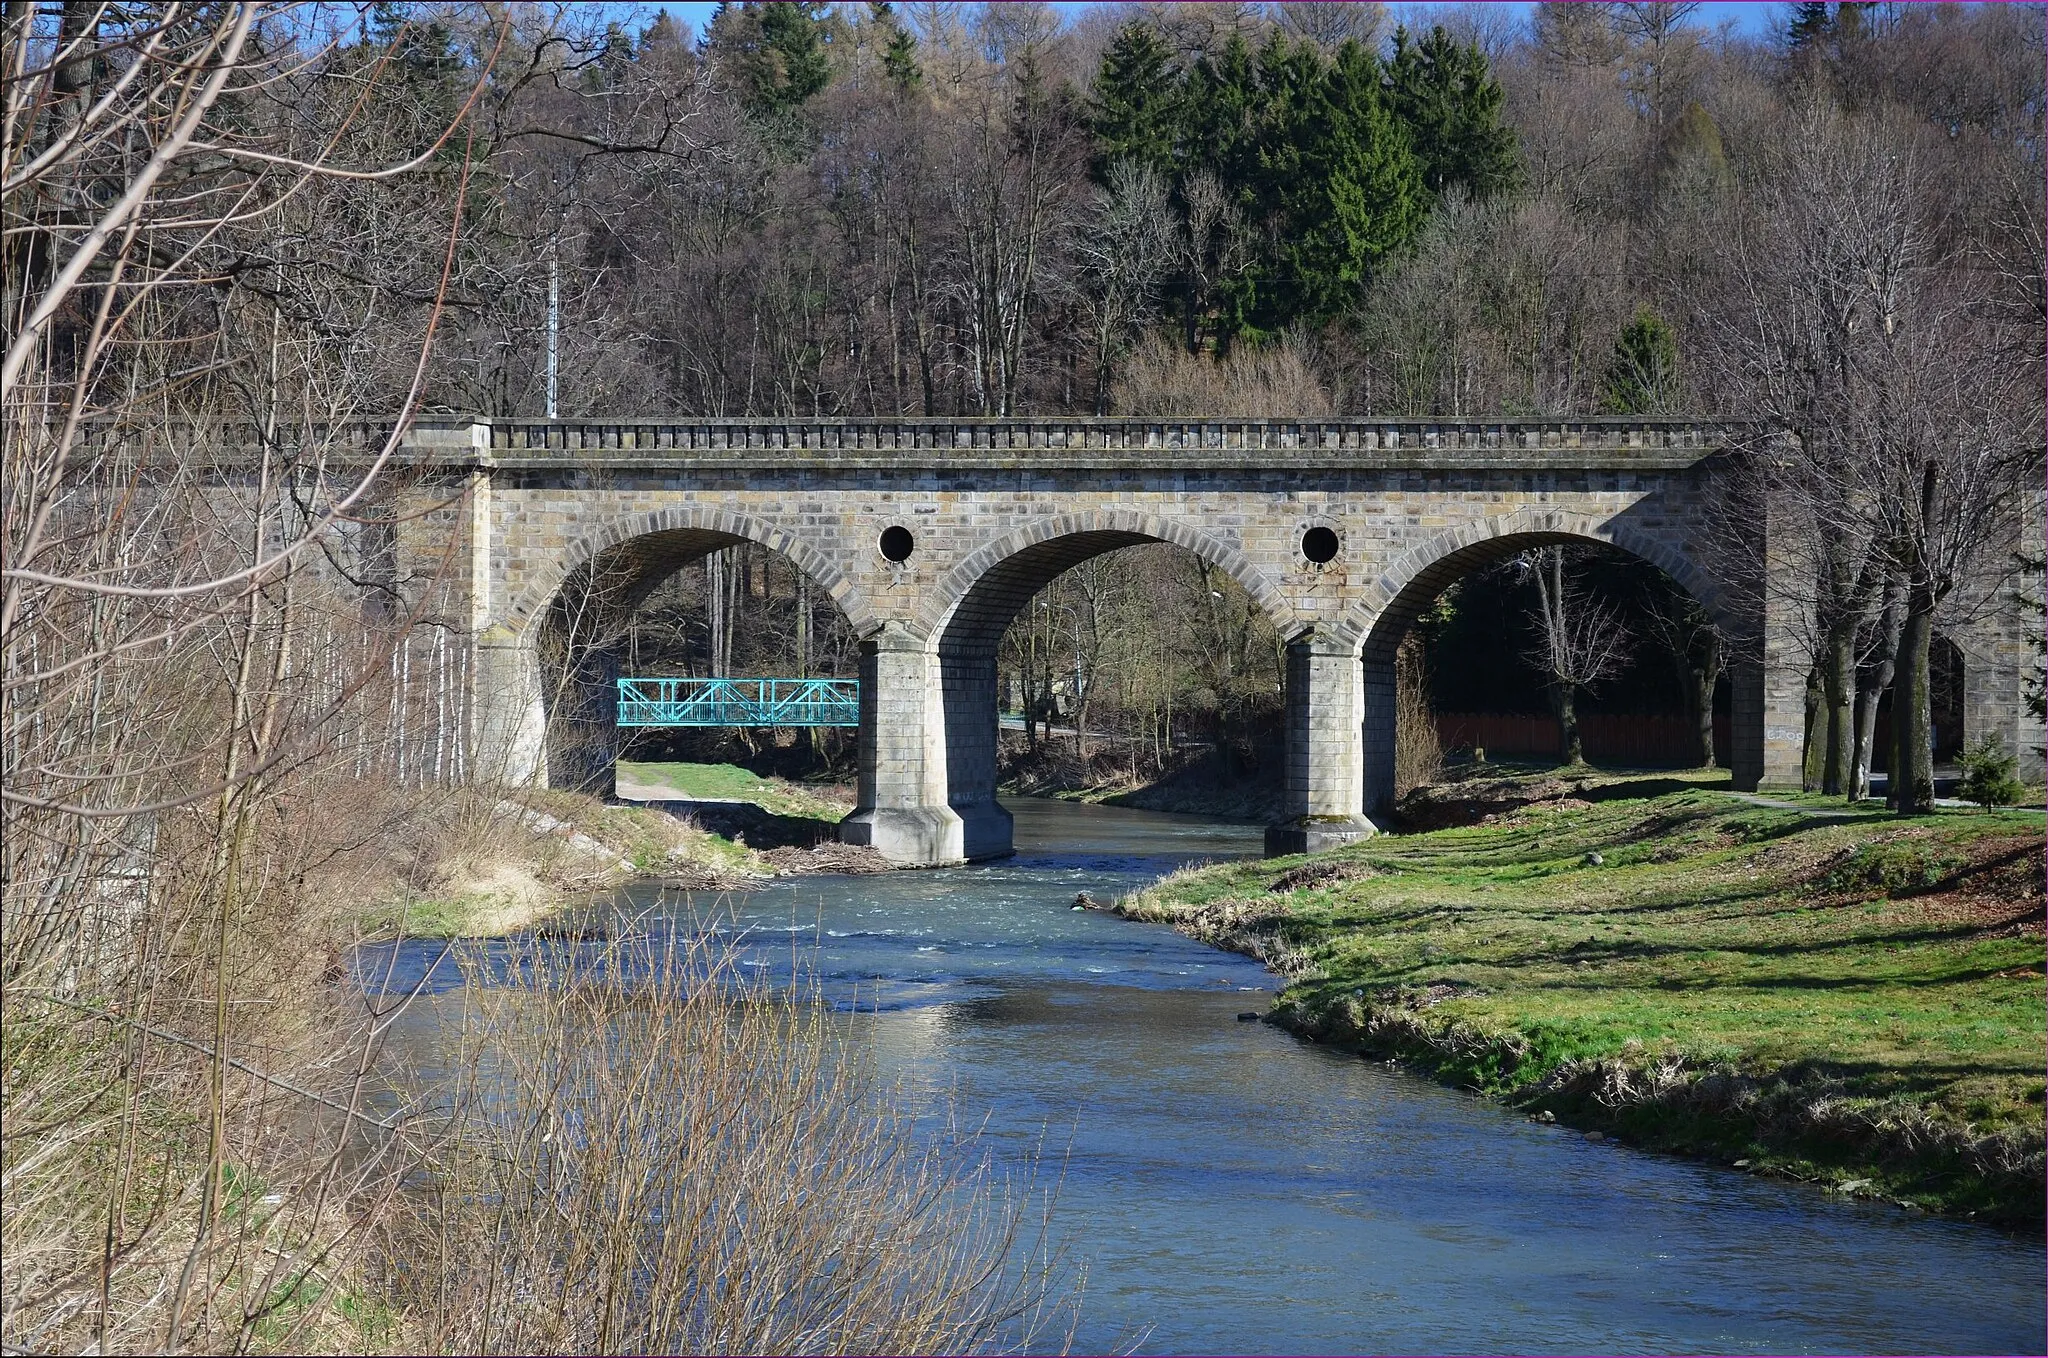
{"x":1084,"y":901}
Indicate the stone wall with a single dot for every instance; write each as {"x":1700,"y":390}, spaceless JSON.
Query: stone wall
{"x":996,"y":509}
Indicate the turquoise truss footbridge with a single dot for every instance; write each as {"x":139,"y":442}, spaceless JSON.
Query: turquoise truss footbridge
{"x":739,"y":702}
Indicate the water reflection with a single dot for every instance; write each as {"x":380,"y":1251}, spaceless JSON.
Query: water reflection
{"x":1238,"y":1191}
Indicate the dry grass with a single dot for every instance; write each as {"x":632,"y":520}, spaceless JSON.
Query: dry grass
{"x":632,"y":1152}
{"x":643,"y":1152}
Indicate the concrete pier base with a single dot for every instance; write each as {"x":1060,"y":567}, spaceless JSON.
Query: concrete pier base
{"x":1313,"y":834}
{"x":912,"y":836}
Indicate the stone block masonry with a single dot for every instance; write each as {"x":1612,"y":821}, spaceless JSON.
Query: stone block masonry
{"x":569,"y":524}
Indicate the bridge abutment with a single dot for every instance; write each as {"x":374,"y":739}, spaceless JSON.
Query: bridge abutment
{"x":509,"y":723}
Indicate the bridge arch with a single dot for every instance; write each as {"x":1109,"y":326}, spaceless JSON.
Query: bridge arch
{"x":1384,"y":612}
{"x":659,"y":542}
{"x":973,"y":605}
{"x":569,"y":621}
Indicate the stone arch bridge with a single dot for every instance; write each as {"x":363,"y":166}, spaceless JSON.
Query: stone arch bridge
{"x":562,"y":525}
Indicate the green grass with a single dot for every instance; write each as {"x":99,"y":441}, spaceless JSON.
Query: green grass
{"x":1839,"y":960}
{"x":731,"y":783}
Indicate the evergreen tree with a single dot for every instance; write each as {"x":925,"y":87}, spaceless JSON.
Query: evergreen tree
{"x":1446,"y":96}
{"x":664,"y":36}
{"x":1136,"y":111}
{"x":1691,"y":159}
{"x":1811,"y":27}
{"x":899,"y":53}
{"x":775,"y":50}
{"x":1350,"y":191}
{"x":1643,"y":377}
{"x":423,"y":48}
{"x":424,"y":64}
{"x":1219,"y":114}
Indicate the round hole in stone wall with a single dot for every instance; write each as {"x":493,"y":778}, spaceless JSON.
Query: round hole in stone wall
{"x":897,"y":544}
{"x":1319,"y":544}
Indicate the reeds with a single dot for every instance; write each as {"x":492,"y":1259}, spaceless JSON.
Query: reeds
{"x":644,"y":1151}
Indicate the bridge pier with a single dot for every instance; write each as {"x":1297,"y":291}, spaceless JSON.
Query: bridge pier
{"x":901,"y":806}
{"x":509,"y":720}
{"x":1326,"y":759}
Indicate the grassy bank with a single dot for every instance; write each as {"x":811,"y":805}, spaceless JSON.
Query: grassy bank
{"x":489,"y":867}
{"x":1855,"y":1000}
{"x":731,"y":783}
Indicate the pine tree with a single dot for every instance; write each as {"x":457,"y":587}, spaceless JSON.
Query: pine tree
{"x":1219,"y":114}
{"x":424,"y":62}
{"x":1352,"y":193}
{"x":775,"y":49}
{"x":899,"y":54}
{"x":1642,"y":379}
{"x":1136,"y":110}
{"x":1446,"y":96}
{"x":1811,"y":27}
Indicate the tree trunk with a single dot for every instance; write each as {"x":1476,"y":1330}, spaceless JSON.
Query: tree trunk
{"x":1867,"y":697}
{"x":1564,"y":701}
{"x":1814,"y":755}
{"x":1703,"y":680}
{"x":1912,"y":776}
{"x":1871,"y":683}
{"x":1838,"y":687}
{"x":1912,"y":771}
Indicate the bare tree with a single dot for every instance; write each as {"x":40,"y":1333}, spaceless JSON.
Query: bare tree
{"x":1331,"y":26}
{"x":1698,"y":654}
{"x":1659,"y":46}
{"x":1852,"y":324}
{"x":1010,"y":179}
{"x":1120,"y":255}
{"x":191,"y":197}
{"x":1581,"y":640}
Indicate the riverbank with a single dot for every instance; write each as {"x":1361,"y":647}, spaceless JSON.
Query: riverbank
{"x":1212,"y":783}
{"x":1852,"y":1000}
{"x":487,"y":870}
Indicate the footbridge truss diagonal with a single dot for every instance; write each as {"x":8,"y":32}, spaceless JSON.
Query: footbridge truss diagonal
{"x":739,"y":702}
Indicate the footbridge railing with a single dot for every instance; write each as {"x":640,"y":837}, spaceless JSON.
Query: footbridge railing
{"x":739,"y":702}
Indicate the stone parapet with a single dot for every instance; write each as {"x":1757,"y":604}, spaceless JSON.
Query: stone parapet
{"x":1107,"y":442}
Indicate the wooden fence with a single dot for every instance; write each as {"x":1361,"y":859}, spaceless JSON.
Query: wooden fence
{"x":1609,"y":738}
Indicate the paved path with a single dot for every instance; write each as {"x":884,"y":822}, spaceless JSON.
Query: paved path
{"x":1844,"y":812}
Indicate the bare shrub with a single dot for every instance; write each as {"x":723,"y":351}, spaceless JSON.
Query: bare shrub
{"x":645,"y":1152}
{"x":1277,"y":381}
{"x":1418,"y":751}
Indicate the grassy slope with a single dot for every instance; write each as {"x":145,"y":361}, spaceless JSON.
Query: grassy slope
{"x":509,"y":874}
{"x":730,"y":783}
{"x":1845,"y":999}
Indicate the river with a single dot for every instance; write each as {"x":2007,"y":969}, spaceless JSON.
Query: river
{"x":1234,"y":1190}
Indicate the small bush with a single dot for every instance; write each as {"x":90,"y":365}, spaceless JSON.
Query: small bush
{"x":1990,"y":775}
{"x":1892,"y":868}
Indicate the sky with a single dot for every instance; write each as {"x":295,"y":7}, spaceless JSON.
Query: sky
{"x":1755,"y":17}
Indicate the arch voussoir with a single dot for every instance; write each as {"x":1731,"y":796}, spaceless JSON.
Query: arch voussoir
{"x":533,"y":600}
{"x":958,"y":583}
{"x":1420,"y":564}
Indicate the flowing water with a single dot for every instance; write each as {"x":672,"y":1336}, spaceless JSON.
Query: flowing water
{"x":1234,"y":1190}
